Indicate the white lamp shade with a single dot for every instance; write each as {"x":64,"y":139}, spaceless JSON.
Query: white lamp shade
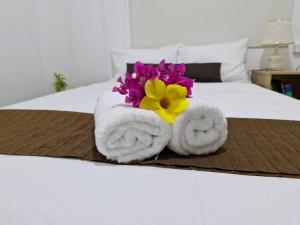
{"x":278,"y":32}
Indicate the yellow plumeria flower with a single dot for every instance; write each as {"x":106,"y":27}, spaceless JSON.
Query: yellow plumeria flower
{"x":166,"y":101}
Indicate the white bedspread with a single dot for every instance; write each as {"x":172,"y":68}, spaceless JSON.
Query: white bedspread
{"x":40,"y":191}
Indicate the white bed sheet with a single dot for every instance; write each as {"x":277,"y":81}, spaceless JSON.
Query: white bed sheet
{"x":38,"y":191}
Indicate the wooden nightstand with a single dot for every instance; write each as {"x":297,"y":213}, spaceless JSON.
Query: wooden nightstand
{"x":265,"y":78}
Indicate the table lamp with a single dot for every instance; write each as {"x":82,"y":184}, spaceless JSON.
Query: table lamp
{"x":278,"y":34}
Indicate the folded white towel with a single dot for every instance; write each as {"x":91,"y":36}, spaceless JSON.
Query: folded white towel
{"x":124,"y":133}
{"x":201,"y":129}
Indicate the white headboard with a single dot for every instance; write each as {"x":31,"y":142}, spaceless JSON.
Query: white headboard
{"x":161,"y":22}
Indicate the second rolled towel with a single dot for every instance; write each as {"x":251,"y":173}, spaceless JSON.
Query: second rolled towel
{"x":201,"y":129}
{"x":124,"y":133}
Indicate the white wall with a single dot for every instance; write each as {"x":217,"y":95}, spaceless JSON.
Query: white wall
{"x":162,"y":22}
{"x":159,"y":22}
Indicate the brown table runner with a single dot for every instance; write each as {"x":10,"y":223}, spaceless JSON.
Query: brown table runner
{"x":254,"y":146}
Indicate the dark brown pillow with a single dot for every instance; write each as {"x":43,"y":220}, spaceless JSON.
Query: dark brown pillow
{"x":201,"y":72}
{"x":204,"y":72}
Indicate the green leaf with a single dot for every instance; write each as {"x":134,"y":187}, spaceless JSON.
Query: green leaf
{"x":60,"y":83}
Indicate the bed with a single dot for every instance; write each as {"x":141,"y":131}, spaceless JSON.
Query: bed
{"x":41,"y":190}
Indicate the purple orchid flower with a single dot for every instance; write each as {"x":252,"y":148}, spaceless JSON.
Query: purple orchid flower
{"x":134,"y":84}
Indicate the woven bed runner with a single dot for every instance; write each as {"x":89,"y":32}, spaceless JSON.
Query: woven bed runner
{"x":254,"y":146}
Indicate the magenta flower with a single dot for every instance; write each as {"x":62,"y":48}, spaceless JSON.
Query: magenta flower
{"x":121,"y":89}
{"x":133,"y":86}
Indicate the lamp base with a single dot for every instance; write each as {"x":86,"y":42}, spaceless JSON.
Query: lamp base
{"x":275,"y":61}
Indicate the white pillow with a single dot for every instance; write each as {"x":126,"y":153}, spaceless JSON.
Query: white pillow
{"x":232,"y":55}
{"x":120,"y":57}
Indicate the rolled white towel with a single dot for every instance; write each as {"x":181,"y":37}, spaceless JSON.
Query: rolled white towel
{"x":124,"y":133}
{"x":201,"y":129}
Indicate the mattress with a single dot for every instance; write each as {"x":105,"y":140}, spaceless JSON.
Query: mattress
{"x":53,"y":191}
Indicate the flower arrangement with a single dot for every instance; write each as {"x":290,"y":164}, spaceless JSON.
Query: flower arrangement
{"x":162,"y":89}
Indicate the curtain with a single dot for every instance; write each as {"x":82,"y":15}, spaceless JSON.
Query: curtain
{"x":296,"y":22}
{"x":76,"y":37}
